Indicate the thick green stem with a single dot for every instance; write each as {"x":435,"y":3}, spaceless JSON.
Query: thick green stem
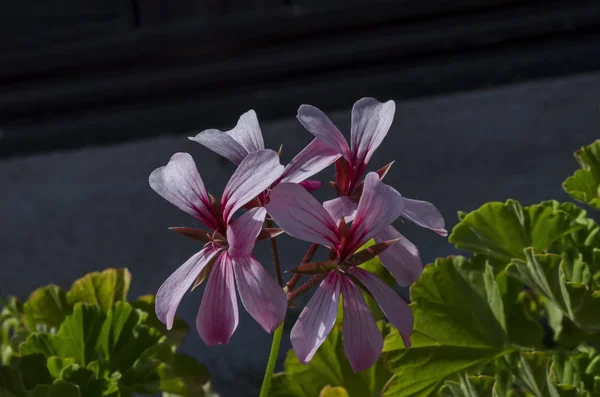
{"x":266,"y":385}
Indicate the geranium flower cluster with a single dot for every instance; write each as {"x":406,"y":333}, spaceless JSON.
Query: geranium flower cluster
{"x":364,"y":209}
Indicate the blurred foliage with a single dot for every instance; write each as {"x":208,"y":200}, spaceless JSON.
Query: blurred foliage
{"x":91,"y":342}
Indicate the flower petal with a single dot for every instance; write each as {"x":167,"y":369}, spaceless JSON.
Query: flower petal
{"x":221,"y":143}
{"x":317,"y":318}
{"x":402,"y":259}
{"x":218,"y":314}
{"x":378,"y":207}
{"x":179,"y":183}
{"x":393,"y":306}
{"x":425,"y":215}
{"x":255,"y":173}
{"x":362,"y":340}
{"x":371,"y":121}
{"x":318,"y":124}
{"x":315,"y":157}
{"x":341,"y":207}
{"x":301,"y":216}
{"x":171,"y":292}
{"x":247,"y":132}
{"x":262,"y":297}
{"x":242,"y":232}
{"x":311,"y":184}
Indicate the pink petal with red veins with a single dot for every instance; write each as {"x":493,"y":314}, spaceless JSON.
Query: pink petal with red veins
{"x":402,"y":259}
{"x":218,"y":315}
{"x":371,"y":121}
{"x":362,"y":340}
{"x":317,"y":318}
{"x":171,"y":292}
{"x":425,"y":215}
{"x":301,"y":216}
{"x":318,"y":124}
{"x":242,"y":232}
{"x":315,"y":157}
{"x":179,"y":183}
{"x":341,"y":207}
{"x":262,"y":297}
{"x":255,"y":173}
{"x":236,"y":143}
{"x":393,"y":306}
{"x":378,"y":207}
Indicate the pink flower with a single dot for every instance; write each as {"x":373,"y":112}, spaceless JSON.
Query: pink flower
{"x":246,"y":137}
{"x":371,"y":121}
{"x":227,"y":254}
{"x":300,"y":215}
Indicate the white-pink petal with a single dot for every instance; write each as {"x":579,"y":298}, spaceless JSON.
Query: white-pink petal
{"x":262,"y":297}
{"x":341,"y":207}
{"x":218,"y":315}
{"x":171,"y":292}
{"x":378,"y":207}
{"x":247,"y":132}
{"x":179,"y":183}
{"x":221,"y":143}
{"x":362,"y":339}
{"x":371,"y":121}
{"x":315,"y":157}
{"x":402,"y":258}
{"x":242,"y":232}
{"x":317,"y":318}
{"x":425,"y":215}
{"x":393,"y":306}
{"x":254,"y":174}
{"x":318,"y":124}
{"x":301,"y":215}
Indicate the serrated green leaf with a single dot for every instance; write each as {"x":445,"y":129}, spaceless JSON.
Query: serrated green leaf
{"x":142,"y":377}
{"x":463,"y":319}
{"x":566,"y":281}
{"x":101,"y":288}
{"x":76,"y":338}
{"x":584,"y":185}
{"x":501,"y":231}
{"x":90,"y":385}
{"x":329,"y":367}
{"x":46,"y":307}
{"x":33,"y":370}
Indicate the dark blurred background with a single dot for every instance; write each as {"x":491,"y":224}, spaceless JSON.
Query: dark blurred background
{"x":493,"y":96}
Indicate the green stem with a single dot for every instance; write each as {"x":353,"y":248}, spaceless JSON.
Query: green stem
{"x":266,"y":385}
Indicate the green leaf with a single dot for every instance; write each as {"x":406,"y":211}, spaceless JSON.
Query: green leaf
{"x":180,"y":329}
{"x":118,"y":339}
{"x":465,"y":317}
{"x":58,"y":389}
{"x":142,"y":378}
{"x":57,"y":364}
{"x":33,"y":370}
{"x":11,"y":384}
{"x":181,"y":375}
{"x":337,"y":391}
{"x":566,"y":281}
{"x":101,"y":288}
{"x":584,"y":185}
{"x":89,"y":383}
{"x":76,"y":338}
{"x":47,"y":307}
{"x":501,"y":231}
{"x":579,"y":369}
{"x":471,"y":386}
{"x":329,"y":367}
